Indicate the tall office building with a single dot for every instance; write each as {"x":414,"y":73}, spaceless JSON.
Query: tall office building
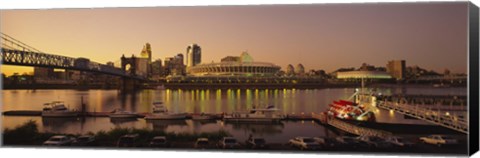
{"x":396,"y":68}
{"x":179,"y":59}
{"x":147,"y":52}
{"x":194,"y":55}
{"x":174,"y":65}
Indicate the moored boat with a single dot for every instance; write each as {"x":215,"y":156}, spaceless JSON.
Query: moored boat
{"x":160,"y":112}
{"x":268,"y":114}
{"x":347,"y":110}
{"x":58,"y":109}
{"x":119,"y":113}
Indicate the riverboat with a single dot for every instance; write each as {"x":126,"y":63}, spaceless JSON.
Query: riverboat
{"x":348,"y":110}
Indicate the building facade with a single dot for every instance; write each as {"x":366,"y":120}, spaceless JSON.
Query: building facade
{"x":146,"y":52}
{"x":174,"y":65}
{"x":396,"y":68}
{"x":194,"y":55}
{"x":363,"y":74}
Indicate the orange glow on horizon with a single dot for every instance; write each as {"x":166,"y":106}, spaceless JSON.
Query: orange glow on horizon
{"x":324,"y":37}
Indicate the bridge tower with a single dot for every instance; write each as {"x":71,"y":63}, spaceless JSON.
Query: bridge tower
{"x":128,"y":83}
{"x":129,"y":61}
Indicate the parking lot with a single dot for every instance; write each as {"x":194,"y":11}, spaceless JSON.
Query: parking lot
{"x":417,"y":148}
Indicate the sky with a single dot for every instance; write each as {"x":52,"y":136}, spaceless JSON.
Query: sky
{"x":320,"y":36}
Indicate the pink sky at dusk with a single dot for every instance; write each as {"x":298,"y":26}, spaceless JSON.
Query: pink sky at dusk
{"x":321,"y":36}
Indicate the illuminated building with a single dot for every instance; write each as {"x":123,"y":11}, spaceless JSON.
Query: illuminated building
{"x":146,"y":52}
{"x":396,"y":68}
{"x":194,"y":55}
{"x":235,"y":66}
{"x":363,"y":74}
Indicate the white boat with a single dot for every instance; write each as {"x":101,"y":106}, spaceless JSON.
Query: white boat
{"x":268,"y":114}
{"x":160,"y":112}
{"x":118,"y":113}
{"x":57,"y":109}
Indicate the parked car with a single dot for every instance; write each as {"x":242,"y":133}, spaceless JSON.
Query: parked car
{"x":375,"y":142}
{"x":228,"y":143}
{"x":304,"y":143}
{"x":399,"y":142}
{"x":129,"y":140}
{"x":59,"y":140}
{"x":256,"y":143}
{"x":326,"y":142}
{"x":350,"y":142}
{"x":85,"y":140}
{"x":201,"y":143}
{"x":439,"y":140}
{"x":159,"y":141}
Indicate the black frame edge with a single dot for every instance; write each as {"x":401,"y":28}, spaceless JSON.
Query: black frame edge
{"x":473,"y":75}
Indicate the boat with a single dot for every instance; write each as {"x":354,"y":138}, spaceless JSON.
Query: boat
{"x":58,"y":109}
{"x":347,"y":110}
{"x":160,"y":112}
{"x":203,"y":116}
{"x":267,"y":115}
{"x":119,"y":113}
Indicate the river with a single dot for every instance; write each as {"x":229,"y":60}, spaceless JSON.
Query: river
{"x":195,"y":101}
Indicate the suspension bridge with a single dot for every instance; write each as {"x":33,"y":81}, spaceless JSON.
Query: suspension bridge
{"x":15,"y":52}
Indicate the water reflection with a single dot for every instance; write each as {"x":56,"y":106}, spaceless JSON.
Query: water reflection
{"x":194,"y":101}
{"x":119,"y":121}
{"x":59,"y":124}
{"x":161,"y":125}
{"x":257,"y":128}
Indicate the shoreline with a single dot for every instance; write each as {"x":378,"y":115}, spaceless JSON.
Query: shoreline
{"x":227,"y":86}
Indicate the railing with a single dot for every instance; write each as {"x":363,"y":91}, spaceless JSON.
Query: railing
{"x":350,"y":128}
{"x":357,"y":130}
{"x":444,"y":119}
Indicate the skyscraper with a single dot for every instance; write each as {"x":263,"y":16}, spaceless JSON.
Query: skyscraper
{"x":179,"y":59}
{"x":396,"y":68}
{"x":194,"y":55}
{"x":147,"y":52}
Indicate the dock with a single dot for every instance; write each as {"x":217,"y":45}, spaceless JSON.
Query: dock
{"x":349,"y":126}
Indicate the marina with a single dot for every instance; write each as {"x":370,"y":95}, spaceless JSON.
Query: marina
{"x":243,"y":121}
{"x":158,"y":107}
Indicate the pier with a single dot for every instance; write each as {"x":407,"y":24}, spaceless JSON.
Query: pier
{"x":360,"y":128}
{"x":444,"y":119}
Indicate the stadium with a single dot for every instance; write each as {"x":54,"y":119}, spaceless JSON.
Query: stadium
{"x":234,"y":66}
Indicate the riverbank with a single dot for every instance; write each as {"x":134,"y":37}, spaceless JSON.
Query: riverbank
{"x":56,"y":86}
{"x":27,"y":134}
{"x":232,"y":86}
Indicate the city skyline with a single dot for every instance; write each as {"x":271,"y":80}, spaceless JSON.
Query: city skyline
{"x":318,"y":36}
